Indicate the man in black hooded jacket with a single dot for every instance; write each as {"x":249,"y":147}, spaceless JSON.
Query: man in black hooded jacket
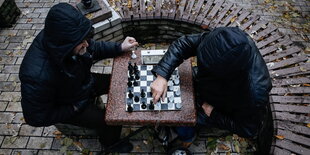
{"x":56,"y":83}
{"x":233,"y":82}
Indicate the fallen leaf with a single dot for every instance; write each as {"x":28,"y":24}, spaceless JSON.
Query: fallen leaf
{"x":67,"y":141}
{"x":42,"y":145}
{"x":29,"y":19}
{"x":223,"y":147}
{"x":233,"y":19}
{"x":145,"y":142}
{"x":57,"y":132}
{"x":308,"y":125}
{"x":307,"y":50}
{"x":204,"y":26}
{"x":279,"y":136}
{"x":303,"y":69}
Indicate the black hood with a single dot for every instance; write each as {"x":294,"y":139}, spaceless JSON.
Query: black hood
{"x":65,"y":28}
{"x":224,"y":51}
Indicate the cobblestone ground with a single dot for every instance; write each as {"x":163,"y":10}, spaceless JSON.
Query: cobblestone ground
{"x":16,"y":137}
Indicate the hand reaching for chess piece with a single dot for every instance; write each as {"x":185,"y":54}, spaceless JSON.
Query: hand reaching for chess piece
{"x":129,"y":43}
{"x":159,"y":88}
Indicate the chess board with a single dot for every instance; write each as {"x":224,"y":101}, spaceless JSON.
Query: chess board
{"x":141,"y":97}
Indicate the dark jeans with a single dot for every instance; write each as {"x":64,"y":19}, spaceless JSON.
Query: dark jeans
{"x":93,"y":117}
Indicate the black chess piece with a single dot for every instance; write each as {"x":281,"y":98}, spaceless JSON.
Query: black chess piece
{"x":130,"y":68}
{"x":135,"y":83}
{"x":137,"y":76}
{"x":135,"y":68}
{"x":131,"y":78}
{"x":143,"y":106}
{"x":151,"y":106}
{"x":129,"y":108}
{"x":130,"y":95}
{"x":136,"y":99}
{"x":129,"y":83}
{"x":142,"y":93}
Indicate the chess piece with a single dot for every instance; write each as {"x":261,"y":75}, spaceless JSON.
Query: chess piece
{"x":136,"y":99}
{"x":131,"y":77}
{"x":129,"y":83}
{"x":178,"y":92}
{"x":143,"y":106}
{"x":130,"y":68}
{"x":151,"y":106}
{"x":135,"y":83}
{"x":137,"y":77}
{"x":178,"y":105}
{"x":129,"y":108}
{"x":135,"y":67}
{"x":171,"y":98}
{"x":142,"y":93}
{"x":176,"y":80}
{"x":130,"y":95}
{"x":133,"y":55}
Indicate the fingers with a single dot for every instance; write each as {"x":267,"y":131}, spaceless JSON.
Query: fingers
{"x":164,"y":95}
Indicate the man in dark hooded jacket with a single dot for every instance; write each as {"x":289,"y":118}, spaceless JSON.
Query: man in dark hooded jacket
{"x":233,"y":82}
{"x":56,"y":83}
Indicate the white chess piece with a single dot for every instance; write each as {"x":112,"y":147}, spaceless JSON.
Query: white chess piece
{"x":133,"y":55}
{"x":176,"y":80}
{"x":178,"y":92}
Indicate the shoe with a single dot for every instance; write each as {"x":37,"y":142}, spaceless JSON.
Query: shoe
{"x":123,"y":147}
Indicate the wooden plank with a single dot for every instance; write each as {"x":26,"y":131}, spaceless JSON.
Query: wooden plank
{"x":270,"y":28}
{"x":142,"y":10}
{"x":293,"y":90}
{"x":286,"y":62}
{"x":187,"y":11}
{"x":292,"y":108}
{"x":267,"y":41}
{"x":196,"y":10}
{"x":180,"y":10}
{"x":287,"y":71}
{"x":213,"y":12}
{"x":283,"y":43}
{"x":204,"y":12}
{"x":282,"y":54}
{"x":291,"y":117}
{"x":240,"y":18}
{"x":135,"y":9}
{"x":280,"y":151}
{"x":119,"y":8}
{"x":253,"y":29}
{"x":230,"y":17}
{"x":290,"y":81}
{"x":294,"y":137}
{"x":165,"y":9}
{"x":285,"y":125}
{"x":221,"y":14}
{"x":126,"y":12}
{"x":292,"y":147}
{"x":172,"y":11}
{"x":150,"y":9}
{"x":251,"y":20}
{"x":158,"y":9}
{"x":290,"y":99}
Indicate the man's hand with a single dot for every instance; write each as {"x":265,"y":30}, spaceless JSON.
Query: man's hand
{"x":129,"y":43}
{"x":207,"y":108}
{"x":159,"y":89}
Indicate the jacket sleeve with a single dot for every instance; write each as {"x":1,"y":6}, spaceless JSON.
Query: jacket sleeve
{"x":39,"y":107}
{"x":179,"y":50}
{"x":101,"y":50}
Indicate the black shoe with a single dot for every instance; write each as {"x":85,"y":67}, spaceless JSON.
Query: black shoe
{"x":123,"y":147}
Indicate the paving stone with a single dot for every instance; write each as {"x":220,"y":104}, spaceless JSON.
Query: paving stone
{"x":14,"y":106}
{"x":3,"y":105}
{"x":59,"y":143}
{"x":15,"y":39}
{"x":27,"y":130}
{"x":3,"y":46}
{"x":1,"y":139}
{"x":7,"y":86}
{"x":6,"y":117}
{"x":26,"y":32}
{"x":11,"y":69}
{"x":4,"y":77}
{"x":10,"y":96}
{"x":23,"y":26}
{"x":7,"y":60}
{"x":19,"y":118}
{"x":17,"y":87}
{"x":37,"y":26}
{"x":14,"y":77}
{"x":91,"y":144}
{"x":39,"y":143}
{"x":24,"y":152}
{"x":14,"y":142}
{"x":107,"y":70}
{"x":12,"y":46}
{"x":19,"y":61}
{"x":198,"y":146}
{"x":5,"y":151}
{"x":53,"y":152}
{"x":8,"y":32}
{"x":49,"y":131}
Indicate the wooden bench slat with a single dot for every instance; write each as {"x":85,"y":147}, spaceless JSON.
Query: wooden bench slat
{"x":180,"y":10}
{"x":294,"y":137}
{"x":290,"y":81}
{"x":172,"y":12}
{"x":150,"y":9}
{"x":196,"y":10}
{"x":232,"y":15}
{"x":158,"y":9}
{"x":221,"y":14}
{"x":292,"y":147}
{"x":119,"y":9}
{"x":240,"y":18}
{"x":283,"y":42}
{"x":291,"y":108}
{"x":204,"y":12}
{"x":251,"y":20}
{"x":290,"y":99}
{"x":287,"y":71}
{"x":267,"y":41}
{"x":286,"y":62}
{"x":294,"y":90}
{"x":187,"y":11}
{"x":213,"y":12}
{"x":135,"y":9}
{"x":256,"y":27}
{"x":291,"y":117}
{"x":270,"y":28}
{"x":280,"y":151}
{"x":126,"y":12}
{"x":142,"y":11}
{"x":292,"y":127}
{"x":165,"y":9}
{"x":282,"y":54}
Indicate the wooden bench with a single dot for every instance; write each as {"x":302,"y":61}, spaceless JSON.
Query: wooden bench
{"x":286,"y":62}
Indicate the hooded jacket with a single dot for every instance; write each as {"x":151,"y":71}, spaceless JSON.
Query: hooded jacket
{"x":232,"y":76}
{"x":52,"y":80}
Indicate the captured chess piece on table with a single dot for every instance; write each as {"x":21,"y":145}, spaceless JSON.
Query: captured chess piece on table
{"x":140,"y":77}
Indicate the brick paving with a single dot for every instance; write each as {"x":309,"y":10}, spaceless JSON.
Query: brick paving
{"x":16,"y":137}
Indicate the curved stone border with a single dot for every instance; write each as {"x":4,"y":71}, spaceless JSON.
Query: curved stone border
{"x":286,"y":62}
